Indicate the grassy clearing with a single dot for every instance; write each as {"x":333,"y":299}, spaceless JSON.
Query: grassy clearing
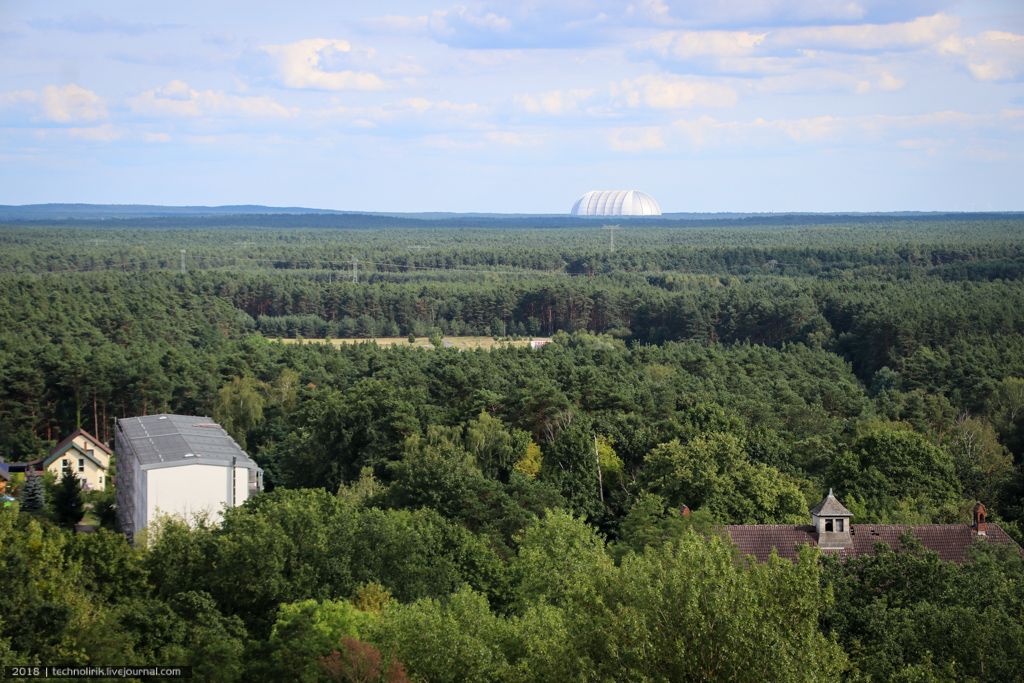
{"x":421,"y":342}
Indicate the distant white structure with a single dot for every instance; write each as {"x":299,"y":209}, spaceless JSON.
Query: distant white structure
{"x":178,"y":465}
{"x":616,"y":203}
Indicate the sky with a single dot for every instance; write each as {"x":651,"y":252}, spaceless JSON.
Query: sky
{"x":515,"y":107}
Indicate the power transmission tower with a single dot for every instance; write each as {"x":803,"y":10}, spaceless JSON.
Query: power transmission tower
{"x":611,"y":236}
{"x":183,"y":261}
{"x":355,"y":270}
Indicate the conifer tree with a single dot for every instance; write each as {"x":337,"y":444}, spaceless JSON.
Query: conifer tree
{"x":67,"y":500}
{"x":33,"y":495}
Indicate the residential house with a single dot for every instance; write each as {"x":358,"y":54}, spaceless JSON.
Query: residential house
{"x":832,"y":533}
{"x":83,"y":454}
{"x":179,"y":465}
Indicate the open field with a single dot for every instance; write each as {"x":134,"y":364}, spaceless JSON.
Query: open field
{"x":473,"y":342}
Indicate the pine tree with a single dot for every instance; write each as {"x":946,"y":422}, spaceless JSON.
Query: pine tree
{"x":67,"y":500}
{"x":33,"y":495}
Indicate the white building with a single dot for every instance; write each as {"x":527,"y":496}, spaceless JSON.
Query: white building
{"x":616,"y":203}
{"x":178,"y":465}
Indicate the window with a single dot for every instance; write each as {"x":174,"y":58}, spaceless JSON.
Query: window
{"x":828,"y":525}
{"x":81,"y":464}
{"x":839,"y":525}
{"x":65,"y":465}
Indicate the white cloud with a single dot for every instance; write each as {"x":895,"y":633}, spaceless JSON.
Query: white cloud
{"x":398,"y":24}
{"x":177,"y":98}
{"x":71,"y":103}
{"x":920,"y":32}
{"x":990,"y":56}
{"x":422,"y":105}
{"x":786,"y":49}
{"x":17,"y":97}
{"x":513,"y":139}
{"x":890,"y":83}
{"x":706,"y":131}
{"x":104,"y":133}
{"x":447,"y":23}
{"x":885,"y":82}
{"x":672,"y":92}
{"x":314,"y":64}
{"x":639,"y":139}
{"x":553,"y":102}
{"x":684,"y":45}
{"x":653,"y":11}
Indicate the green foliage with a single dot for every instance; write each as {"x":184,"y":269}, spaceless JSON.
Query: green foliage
{"x":736,"y":367}
{"x":68,"y":506}
{"x":289,"y":546}
{"x":239,"y":407}
{"x":558,"y":555}
{"x":495,"y":448}
{"x":713,"y":472}
{"x":33,"y":494}
{"x":890,"y":463}
{"x":647,"y":524}
{"x":690,"y":611}
{"x":531,"y":462}
{"x":905,"y":614}
{"x":115,"y":570}
{"x":984,"y":466}
{"x":571,"y":464}
{"x":306,"y":630}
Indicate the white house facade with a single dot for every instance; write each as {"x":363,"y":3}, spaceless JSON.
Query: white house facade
{"x":179,"y":465}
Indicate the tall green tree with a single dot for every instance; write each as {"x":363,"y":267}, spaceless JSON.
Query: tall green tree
{"x":239,"y":406}
{"x":33,"y":493}
{"x":68,"y":505}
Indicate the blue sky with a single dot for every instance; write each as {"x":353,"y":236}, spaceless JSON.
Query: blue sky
{"x":751,"y":105}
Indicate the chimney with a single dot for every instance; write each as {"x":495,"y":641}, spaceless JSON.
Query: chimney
{"x":979,"y":525}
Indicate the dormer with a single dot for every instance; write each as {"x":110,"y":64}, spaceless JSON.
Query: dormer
{"x":831,"y":522}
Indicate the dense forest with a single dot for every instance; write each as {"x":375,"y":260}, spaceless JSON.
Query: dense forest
{"x":513,"y":514}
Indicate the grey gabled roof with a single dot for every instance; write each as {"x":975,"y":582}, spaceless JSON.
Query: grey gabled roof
{"x":830,"y":507}
{"x":181,"y":440}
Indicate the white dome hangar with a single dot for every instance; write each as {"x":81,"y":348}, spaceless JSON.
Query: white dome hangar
{"x":616,"y":203}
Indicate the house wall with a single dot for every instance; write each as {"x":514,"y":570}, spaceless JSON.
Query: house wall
{"x":87,"y":444}
{"x":94,"y":478}
{"x":129,"y":488}
{"x":241,"y":485}
{"x":187,"y":490}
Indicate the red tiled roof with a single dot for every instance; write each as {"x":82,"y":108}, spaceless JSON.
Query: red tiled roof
{"x":950,"y":541}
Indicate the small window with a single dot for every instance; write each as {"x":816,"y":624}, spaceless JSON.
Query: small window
{"x":101,"y":480}
{"x":839,"y":525}
{"x":81,"y":464}
{"x":828,"y":525}
{"x":65,"y":465}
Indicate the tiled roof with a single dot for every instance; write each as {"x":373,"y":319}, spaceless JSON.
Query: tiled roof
{"x":950,"y":541}
{"x":99,"y":444}
{"x":759,"y":539}
{"x":830,"y":507}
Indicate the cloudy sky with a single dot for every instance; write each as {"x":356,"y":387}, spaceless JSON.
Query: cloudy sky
{"x":748,"y":105}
